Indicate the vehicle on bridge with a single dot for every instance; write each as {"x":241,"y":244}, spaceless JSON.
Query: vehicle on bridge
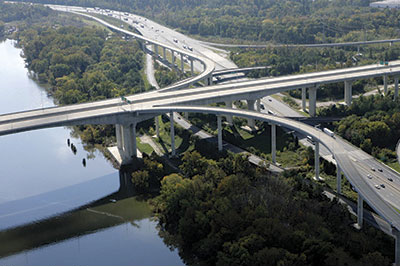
{"x":329,"y":132}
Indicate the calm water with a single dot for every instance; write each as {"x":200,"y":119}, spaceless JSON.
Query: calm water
{"x":54,"y":211}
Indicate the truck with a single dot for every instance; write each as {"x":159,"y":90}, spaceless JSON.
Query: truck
{"x":329,"y":132}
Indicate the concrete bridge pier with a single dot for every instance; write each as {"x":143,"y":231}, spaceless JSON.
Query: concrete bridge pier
{"x":385,"y":84}
{"x":173,"y":59}
{"x":210,"y":79}
{"x":396,"y":87}
{"x":191,"y":66}
{"x":172,"y":133}
{"x":164,"y":53}
{"x":186,"y":115}
{"x":396,"y":234}
{"x":360,"y":211}
{"x":338,"y":179}
{"x":348,"y":92}
{"x":313,"y":101}
{"x":304,"y":99}
{"x":258,"y":105}
{"x":273,"y":142}
{"x":156,"y":51}
{"x":229,"y":118}
{"x":157,"y":123}
{"x":126,"y":142}
{"x":251,"y":122}
{"x":182,"y":64}
{"x":219,"y":124}
{"x":316,"y":160}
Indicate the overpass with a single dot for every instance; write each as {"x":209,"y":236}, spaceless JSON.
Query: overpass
{"x":125,"y":115}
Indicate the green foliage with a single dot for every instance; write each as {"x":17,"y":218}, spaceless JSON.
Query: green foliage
{"x":231,"y":213}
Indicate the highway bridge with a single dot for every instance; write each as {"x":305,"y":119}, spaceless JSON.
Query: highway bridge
{"x":126,"y":113}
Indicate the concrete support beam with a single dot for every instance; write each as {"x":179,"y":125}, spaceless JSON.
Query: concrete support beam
{"x":171,"y":120}
{"x":182,"y":64}
{"x":132,"y":129}
{"x":348,"y":92}
{"x":313,"y":101}
{"x":229,"y":118}
{"x":219,"y":123}
{"x":385,"y":84}
{"x":157,"y":122}
{"x":258,"y":105}
{"x":126,"y":142}
{"x":191,"y":67}
{"x":210,"y":80}
{"x":273,"y":142}
{"x":396,"y":87}
{"x":251,"y":122}
{"x":304,"y":99}
{"x":164,"y":53}
{"x":186,"y":115}
{"x":360,"y":211}
{"x":338,"y":179}
{"x":316,"y":156}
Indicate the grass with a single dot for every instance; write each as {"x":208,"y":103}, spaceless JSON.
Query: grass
{"x":165,"y":137}
{"x":143,"y":147}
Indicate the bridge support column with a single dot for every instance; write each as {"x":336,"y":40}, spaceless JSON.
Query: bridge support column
{"x":338,"y":179}
{"x":347,"y":92}
{"x":186,"y":115}
{"x":316,"y":160}
{"x":118,"y":134}
{"x":126,"y":142}
{"x":229,"y":118}
{"x":171,"y":120}
{"x":396,"y":88}
{"x":396,"y":234}
{"x":251,"y":122}
{"x":304,"y":99}
{"x":173,"y":59}
{"x":219,"y":123}
{"x":191,"y":66}
{"x":385,"y":84}
{"x":313,"y":101}
{"x":360,"y":211}
{"x":210,"y":79}
{"x":182,"y":64}
{"x":156,"y":51}
{"x":157,"y":122}
{"x":164,"y":53}
{"x":273,"y":142}
{"x":258,"y":105}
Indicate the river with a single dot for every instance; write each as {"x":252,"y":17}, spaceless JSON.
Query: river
{"x":54,"y":210}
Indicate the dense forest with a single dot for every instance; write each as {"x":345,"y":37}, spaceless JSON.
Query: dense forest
{"x":286,"y":21}
{"x":371,"y":123}
{"x":224,"y":211}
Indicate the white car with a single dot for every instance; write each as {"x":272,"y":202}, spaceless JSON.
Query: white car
{"x":377,"y":186}
{"x":369,"y":176}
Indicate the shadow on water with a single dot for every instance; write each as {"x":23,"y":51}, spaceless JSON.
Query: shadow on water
{"x":111,"y":210}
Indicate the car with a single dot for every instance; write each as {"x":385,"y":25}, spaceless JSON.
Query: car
{"x":380,"y":170}
{"x":377,"y":186}
{"x":369,"y":176}
{"x":175,"y":40}
{"x":190,"y":48}
{"x":373,"y":169}
{"x":184,"y":46}
{"x":382,"y":185}
{"x":390,"y":179}
{"x":262,"y":106}
{"x":271,"y":112}
{"x":269,"y":99}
